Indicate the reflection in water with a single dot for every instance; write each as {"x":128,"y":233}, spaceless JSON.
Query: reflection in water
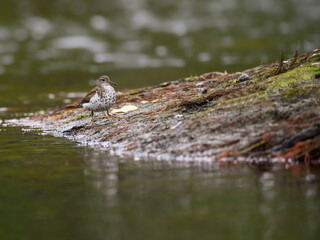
{"x":105,"y":174}
{"x":267,"y":182}
{"x":149,"y":197}
{"x":51,"y":189}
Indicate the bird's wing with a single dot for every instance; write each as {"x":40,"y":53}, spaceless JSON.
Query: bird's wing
{"x":90,"y":94}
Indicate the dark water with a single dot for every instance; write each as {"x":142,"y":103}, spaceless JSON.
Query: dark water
{"x":52,"y":189}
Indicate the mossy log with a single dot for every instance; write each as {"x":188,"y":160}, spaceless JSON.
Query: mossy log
{"x":268,"y":113}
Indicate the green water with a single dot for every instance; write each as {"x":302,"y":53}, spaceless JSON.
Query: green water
{"x":52,"y":189}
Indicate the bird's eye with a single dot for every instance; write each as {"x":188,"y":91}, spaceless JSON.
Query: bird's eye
{"x":103,"y":80}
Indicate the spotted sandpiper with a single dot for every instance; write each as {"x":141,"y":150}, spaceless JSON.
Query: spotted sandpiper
{"x":100,"y":98}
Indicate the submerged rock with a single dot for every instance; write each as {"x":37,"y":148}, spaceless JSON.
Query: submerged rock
{"x":268,"y":113}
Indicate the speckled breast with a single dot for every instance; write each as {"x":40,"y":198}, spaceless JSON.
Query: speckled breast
{"x":103,"y":103}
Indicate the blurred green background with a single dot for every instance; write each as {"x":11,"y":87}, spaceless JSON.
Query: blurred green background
{"x":48,"y":48}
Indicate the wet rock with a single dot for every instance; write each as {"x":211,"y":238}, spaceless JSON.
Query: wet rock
{"x":243,"y":77}
{"x":304,"y":135}
{"x":72,"y":129}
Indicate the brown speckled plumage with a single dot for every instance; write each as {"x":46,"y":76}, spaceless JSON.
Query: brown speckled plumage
{"x":100,"y":98}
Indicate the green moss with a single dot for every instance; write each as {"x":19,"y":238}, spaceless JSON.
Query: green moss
{"x":191,"y":78}
{"x":315,"y":57}
{"x":285,"y":81}
{"x":296,"y":90}
{"x":133,"y":92}
{"x":79,"y":117}
{"x":254,"y":146}
{"x":268,"y":71}
{"x":240,"y":99}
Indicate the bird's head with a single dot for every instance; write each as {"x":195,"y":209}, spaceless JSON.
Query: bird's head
{"x":105,"y":80}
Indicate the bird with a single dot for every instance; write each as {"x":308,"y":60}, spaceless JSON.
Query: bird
{"x":101,"y":98}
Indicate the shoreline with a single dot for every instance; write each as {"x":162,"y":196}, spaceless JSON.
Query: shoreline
{"x":268,"y":113}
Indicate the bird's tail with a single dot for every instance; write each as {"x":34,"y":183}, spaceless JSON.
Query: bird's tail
{"x":75,"y":104}
{"x":70,"y":106}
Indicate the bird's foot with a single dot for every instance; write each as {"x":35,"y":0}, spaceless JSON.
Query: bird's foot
{"x":110,"y":115}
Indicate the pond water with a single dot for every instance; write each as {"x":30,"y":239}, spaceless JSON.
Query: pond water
{"x":53,"y":189}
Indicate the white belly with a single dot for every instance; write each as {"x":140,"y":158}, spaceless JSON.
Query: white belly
{"x":98,"y":104}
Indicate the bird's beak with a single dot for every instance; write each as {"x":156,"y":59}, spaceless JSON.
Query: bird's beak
{"x":113,"y":83}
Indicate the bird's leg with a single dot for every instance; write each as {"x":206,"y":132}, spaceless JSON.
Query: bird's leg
{"x":110,"y":115}
{"x":92,"y":118}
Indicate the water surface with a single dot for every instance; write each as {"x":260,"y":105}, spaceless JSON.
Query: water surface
{"x":52,"y":189}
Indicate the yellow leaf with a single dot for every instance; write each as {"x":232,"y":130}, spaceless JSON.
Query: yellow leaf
{"x":125,"y":109}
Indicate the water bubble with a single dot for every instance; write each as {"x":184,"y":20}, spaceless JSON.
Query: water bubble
{"x":72,"y":42}
{"x":39,"y":27}
{"x":161,"y":51}
{"x":99,"y":23}
{"x":7,"y":59}
{"x":204,"y":57}
{"x":179,"y":28}
{"x":104,"y":57}
{"x":142,"y":18}
{"x":51,"y":96}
